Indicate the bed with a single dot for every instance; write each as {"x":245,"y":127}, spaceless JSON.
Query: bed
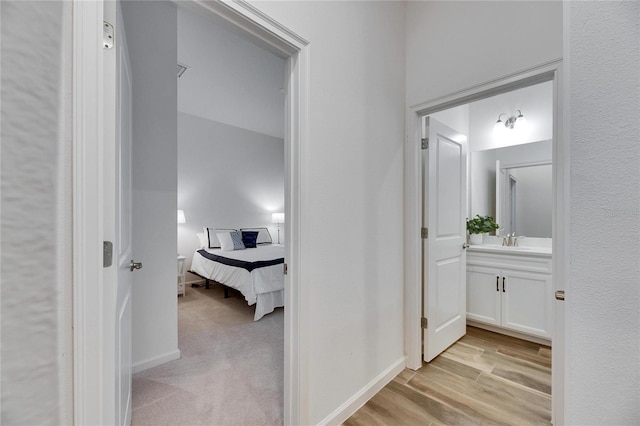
{"x":256,"y":272}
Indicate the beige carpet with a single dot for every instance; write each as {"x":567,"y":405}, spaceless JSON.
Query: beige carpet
{"x":230,"y":371}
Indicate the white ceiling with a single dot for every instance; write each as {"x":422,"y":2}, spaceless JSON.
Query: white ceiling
{"x":230,"y":80}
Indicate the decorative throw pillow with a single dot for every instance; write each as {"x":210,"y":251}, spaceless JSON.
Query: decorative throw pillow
{"x":230,"y":241}
{"x":236,"y":237}
{"x":264,"y":237}
{"x":249,"y":238}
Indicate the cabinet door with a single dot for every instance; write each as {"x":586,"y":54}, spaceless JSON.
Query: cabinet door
{"x":483,"y":294}
{"x":526,"y":302}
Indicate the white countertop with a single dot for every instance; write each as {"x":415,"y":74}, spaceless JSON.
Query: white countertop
{"x":521,"y":250}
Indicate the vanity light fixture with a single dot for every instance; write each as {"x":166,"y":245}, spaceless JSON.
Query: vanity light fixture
{"x":515,"y":122}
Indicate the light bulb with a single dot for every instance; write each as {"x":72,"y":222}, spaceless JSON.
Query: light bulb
{"x":522,"y":125}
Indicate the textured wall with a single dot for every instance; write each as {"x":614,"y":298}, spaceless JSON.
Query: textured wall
{"x":603,"y":309}
{"x":35,"y":213}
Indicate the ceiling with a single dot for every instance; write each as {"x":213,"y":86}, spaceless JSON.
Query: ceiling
{"x":229,"y":80}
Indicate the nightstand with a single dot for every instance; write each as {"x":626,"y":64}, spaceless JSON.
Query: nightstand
{"x":182,"y":288}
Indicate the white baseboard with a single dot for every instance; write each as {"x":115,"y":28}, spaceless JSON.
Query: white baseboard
{"x":354,"y":403}
{"x":150,"y":363}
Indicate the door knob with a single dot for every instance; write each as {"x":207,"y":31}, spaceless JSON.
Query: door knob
{"x":135,"y":265}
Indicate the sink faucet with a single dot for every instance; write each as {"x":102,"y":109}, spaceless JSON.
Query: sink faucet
{"x":510,"y":240}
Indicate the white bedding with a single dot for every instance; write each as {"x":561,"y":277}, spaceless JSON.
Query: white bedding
{"x":262,"y":286}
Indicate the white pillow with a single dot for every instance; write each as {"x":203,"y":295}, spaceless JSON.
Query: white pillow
{"x":230,"y":240}
{"x":204,"y":240}
{"x":212,"y":239}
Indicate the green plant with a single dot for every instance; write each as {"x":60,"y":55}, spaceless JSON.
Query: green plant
{"x":481,"y":224}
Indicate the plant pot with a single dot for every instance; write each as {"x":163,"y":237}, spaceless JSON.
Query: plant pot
{"x":475,"y":239}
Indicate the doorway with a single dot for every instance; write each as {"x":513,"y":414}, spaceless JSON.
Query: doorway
{"x":92,"y":404}
{"x":413,"y":207}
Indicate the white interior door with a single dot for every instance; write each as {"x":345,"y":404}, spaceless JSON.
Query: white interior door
{"x":444,"y":165}
{"x":117,"y":94}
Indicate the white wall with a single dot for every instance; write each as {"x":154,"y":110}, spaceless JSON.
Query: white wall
{"x":452,"y":45}
{"x":351,"y":206}
{"x":231,"y":80}
{"x":536,"y":105}
{"x":603,"y":309}
{"x":457,"y":118}
{"x":35,"y":224}
{"x":151,"y":34}
{"x":227,"y":178}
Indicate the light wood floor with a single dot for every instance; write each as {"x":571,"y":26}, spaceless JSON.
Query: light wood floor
{"x":484,"y":378}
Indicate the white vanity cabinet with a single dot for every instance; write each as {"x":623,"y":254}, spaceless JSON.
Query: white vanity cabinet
{"x":510,"y":290}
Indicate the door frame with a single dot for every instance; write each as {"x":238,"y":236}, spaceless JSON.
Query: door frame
{"x":550,"y":71}
{"x":88,"y":334}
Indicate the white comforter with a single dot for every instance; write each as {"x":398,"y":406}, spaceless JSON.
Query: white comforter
{"x":262,"y":286}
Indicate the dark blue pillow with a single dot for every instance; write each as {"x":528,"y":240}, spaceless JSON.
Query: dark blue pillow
{"x":249,"y":238}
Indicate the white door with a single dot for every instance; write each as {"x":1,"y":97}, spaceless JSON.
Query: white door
{"x":444,"y":165}
{"x":117,"y":200}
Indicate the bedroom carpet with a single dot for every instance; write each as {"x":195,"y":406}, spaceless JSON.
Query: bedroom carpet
{"x":230,"y":371}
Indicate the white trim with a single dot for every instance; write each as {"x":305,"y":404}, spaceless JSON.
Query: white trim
{"x":155,"y":361}
{"x":87,"y":201}
{"x":413,"y":202}
{"x":361,"y":397}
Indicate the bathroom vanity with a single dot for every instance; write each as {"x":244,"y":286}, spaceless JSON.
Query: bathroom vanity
{"x":509,"y":290}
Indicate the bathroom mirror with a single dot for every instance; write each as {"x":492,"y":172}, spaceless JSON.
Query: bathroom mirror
{"x":523,"y":199}
{"x":514,"y":185}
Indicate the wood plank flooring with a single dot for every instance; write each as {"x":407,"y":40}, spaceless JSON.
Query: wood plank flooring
{"x":484,"y":378}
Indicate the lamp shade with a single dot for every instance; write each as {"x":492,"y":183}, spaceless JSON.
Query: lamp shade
{"x":277,"y":218}
{"x":181,"y":218}
{"x":522,"y":125}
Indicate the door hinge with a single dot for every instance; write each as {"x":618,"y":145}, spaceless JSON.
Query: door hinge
{"x":107,"y":35}
{"x":286,"y":268}
{"x":107,"y":254}
{"x":425,"y":143}
{"x":424,"y":233}
{"x":424,"y":322}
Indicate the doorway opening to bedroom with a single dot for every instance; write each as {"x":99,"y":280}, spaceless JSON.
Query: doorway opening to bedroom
{"x":231,"y":188}
{"x":231,"y":180}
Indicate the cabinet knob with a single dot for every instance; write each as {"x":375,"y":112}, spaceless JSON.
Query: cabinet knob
{"x":465,"y":246}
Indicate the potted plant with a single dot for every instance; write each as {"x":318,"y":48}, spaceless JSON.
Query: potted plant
{"x":480,"y":225}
